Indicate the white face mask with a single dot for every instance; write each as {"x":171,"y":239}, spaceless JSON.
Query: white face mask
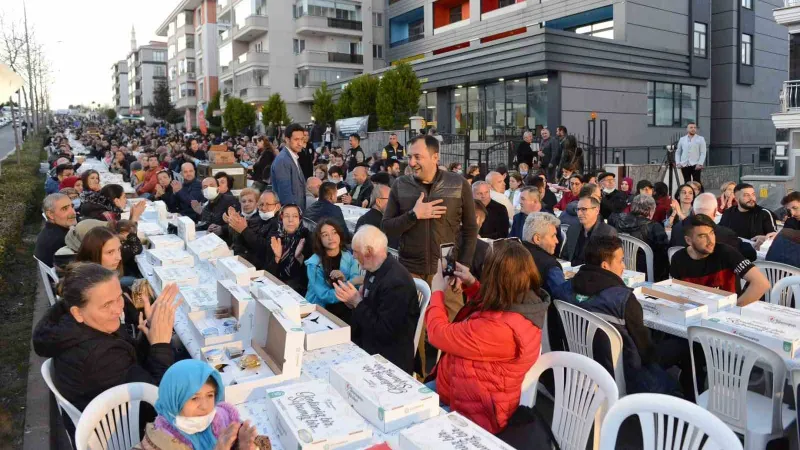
{"x":193,"y":425}
{"x":210,"y":193}
{"x":248,"y":215}
{"x":608,"y":190}
{"x":459,"y":171}
{"x":266,"y":215}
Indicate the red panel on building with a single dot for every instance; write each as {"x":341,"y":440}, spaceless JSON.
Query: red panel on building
{"x":451,"y":48}
{"x":504,"y":34}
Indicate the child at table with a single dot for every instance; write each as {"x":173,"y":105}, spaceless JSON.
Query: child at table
{"x":192,"y":413}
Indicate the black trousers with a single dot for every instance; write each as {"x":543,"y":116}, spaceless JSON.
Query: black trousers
{"x":691,"y":173}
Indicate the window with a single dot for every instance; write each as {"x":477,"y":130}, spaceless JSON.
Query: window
{"x":377,"y":51}
{"x":455,"y":14}
{"x":298,"y":45}
{"x":699,"y":41}
{"x":377,"y":19}
{"x":160,"y":56}
{"x":259,"y":47}
{"x":747,"y":49}
{"x":747,"y":4}
{"x":159,"y":71}
{"x":416,"y":30}
{"x":504,"y":3}
{"x":603,"y":29}
{"x":200,"y":93}
{"x":671,"y":105}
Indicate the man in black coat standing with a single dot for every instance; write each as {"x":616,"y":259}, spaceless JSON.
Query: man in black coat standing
{"x":385,"y":309}
{"x":550,"y":154}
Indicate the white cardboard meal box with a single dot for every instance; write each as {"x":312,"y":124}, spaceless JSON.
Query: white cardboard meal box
{"x":324,"y":329}
{"x":186,"y":229}
{"x":782,"y":340}
{"x":236,"y":326}
{"x":384,"y":394}
{"x":449,"y":432}
{"x":146,"y":229}
{"x":180,"y":275}
{"x":630,"y":277}
{"x":167,"y":241}
{"x":242,"y":304}
{"x":208,"y":247}
{"x":669,"y":308}
{"x":201,"y":297}
{"x":774,"y":314}
{"x":223,"y":331}
{"x":715,"y":299}
{"x":236,"y":268}
{"x":169,"y":257}
{"x":280,"y":295}
{"x":313,"y":416}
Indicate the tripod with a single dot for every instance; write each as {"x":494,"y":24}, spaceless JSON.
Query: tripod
{"x":668,"y":169}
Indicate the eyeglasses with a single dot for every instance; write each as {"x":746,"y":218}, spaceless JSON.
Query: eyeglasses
{"x":583,"y":210}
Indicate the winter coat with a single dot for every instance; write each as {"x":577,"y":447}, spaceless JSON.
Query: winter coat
{"x":569,"y":216}
{"x":785,"y":248}
{"x":160,"y":435}
{"x":576,"y":241}
{"x":420,"y":239}
{"x":87,"y":362}
{"x":95,"y":205}
{"x":252,"y":243}
{"x":320,"y":292}
{"x":321,"y":209}
{"x":192,"y":190}
{"x":485,"y":354}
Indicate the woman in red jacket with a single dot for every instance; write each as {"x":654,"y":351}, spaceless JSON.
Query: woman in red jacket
{"x":493,"y":341}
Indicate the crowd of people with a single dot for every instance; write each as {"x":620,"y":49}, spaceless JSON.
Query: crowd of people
{"x":510,"y":232}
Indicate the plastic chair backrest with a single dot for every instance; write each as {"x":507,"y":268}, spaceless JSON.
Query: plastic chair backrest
{"x":786,"y":292}
{"x":729,"y":363}
{"x":775,"y":272}
{"x":668,"y":423}
{"x":795,"y":380}
{"x":672,"y":250}
{"x":394,"y":253}
{"x":63,"y":403}
{"x":310,"y":224}
{"x":111,"y":420}
{"x":584,"y":392}
{"x":564,"y":228}
{"x":424,"y":293}
{"x":48,"y":273}
{"x":631,"y":247}
{"x":580,"y":327}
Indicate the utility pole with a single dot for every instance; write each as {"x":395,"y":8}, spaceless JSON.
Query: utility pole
{"x":32,"y":91}
{"x":18,"y":128}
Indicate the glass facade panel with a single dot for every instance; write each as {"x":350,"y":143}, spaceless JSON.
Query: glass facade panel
{"x":671,"y":105}
{"x":537,"y":102}
{"x":516,"y":106}
{"x":495,"y":109}
{"x":458,"y":104}
{"x":476,"y":110}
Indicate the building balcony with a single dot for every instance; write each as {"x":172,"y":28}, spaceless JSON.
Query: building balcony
{"x":788,"y":15}
{"x":789,"y":115}
{"x":451,"y":26}
{"x":412,"y":38}
{"x":186,"y":76}
{"x":255,"y":94}
{"x":226,"y":72}
{"x":306,"y":93}
{"x":317,"y":25}
{"x":310,"y":57}
{"x":345,"y":58}
{"x":254,"y":26}
{"x":246,"y":60}
{"x":186,"y":102}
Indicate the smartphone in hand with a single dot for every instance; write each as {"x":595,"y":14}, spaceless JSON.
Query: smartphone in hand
{"x":448,"y":259}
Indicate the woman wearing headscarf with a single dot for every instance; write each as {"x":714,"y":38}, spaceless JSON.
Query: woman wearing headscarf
{"x":291,"y":246}
{"x":108,"y":204}
{"x":192,"y":413}
{"x":72,"y":182}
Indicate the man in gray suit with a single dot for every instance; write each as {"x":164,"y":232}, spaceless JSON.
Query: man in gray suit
{"x":287,"y":177}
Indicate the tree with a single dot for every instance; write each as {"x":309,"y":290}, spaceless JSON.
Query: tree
{"x":111,"y":114}
{"x":344,"y":108}
{"x":274,"y":114}
{"x":324,"y":110}
{"x":174,"y":117}
{"x":364,"y":91}
{"x":398,"y":97}
{"x":238,"y":116}
{"x":161,"y":106}
{"x":214,"y":105}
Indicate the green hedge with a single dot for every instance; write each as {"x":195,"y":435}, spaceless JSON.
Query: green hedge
{"x":21,"y":194}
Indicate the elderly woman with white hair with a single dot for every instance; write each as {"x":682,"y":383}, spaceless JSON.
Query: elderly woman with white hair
{"x":386,"y":309}
{"x":639,"y":224}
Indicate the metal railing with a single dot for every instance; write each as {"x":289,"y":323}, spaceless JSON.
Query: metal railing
{"x":345,"y":58}
{"x":412,"y":38}
{"x":345,"y":24}
{"x":790,"y":96}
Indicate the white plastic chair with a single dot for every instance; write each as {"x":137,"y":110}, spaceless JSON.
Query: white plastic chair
{"x":48,"y":273}
{"x":310,"y":224}
{"x":394,"y":253}
{"x":63,"y":403}
{"x":668,"y":423}
{"x":563,"y":228}
{"x":424,"y":292}
{"x":775,"y":272}
{"x":786,"y":292}
{"x":729,"y":363}
{"x":580,"y":327}
{"x":111,"y":420}
{"x":584,"y":392}
{"x":672,"y":250}
{"x":631,"y":247}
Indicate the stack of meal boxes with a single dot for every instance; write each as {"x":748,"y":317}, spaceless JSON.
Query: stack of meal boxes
{"x":208,"y":247}
{"x":169,"y":257}
{"x":773,"y":326}
{"x":449,"y":432}
{"x":167,"y":241}
{"x":630,"y":277}
{"x":186,"y":229}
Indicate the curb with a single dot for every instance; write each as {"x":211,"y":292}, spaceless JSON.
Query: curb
{"x":37,"y":405}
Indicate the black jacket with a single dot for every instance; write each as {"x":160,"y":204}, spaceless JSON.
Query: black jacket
{"x":496,"y":224}
{"x":391,"y":153}
{"x":756,"y":222}
{"x":86,"y":361}
{"x":653,"y":234}
{"x":724,"y":236}
{"x":576,"y":240}
{"x":374,"y":217}
{"x":363,"y":194}
{"x":420,"y":239}
{"x":253,"y":243}
{"x":306,"y":160}
{"x":263,"y":166}
{"x":552,"y":152}
{"x":614,"y":202}
{"x":386,"y":319}
{"x":355,"y":156}
{"x":49,"y":240}
{"x":193,"y":190}
{"x":321,"y":209}
{"x":214,"y":209}
{"x":525,"y":154}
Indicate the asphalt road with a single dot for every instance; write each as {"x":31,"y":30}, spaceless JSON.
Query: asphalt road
{"x":6,"y":140}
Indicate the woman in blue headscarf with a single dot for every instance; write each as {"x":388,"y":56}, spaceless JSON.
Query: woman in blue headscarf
{"x":192,"y":414}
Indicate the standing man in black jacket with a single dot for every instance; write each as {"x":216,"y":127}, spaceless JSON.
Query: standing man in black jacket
{"x":306,"y":156}
{"x":386,"y":309}
{"x":427,"y":209}
{"x":355,"y":155}
{"x":550,"y":153}
{"x":525,"y":152}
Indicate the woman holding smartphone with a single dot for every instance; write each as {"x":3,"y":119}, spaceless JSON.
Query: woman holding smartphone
{"x":330,"y":262}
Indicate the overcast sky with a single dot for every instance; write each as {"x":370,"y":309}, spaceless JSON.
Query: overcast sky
{"x":83,"y":38}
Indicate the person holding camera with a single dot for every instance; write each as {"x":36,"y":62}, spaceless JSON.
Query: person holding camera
{"x":331,"y":262}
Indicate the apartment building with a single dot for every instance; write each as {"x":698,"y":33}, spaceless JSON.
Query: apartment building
{"x":119,"y":87}
{"x":493,"y":68}
{"x":291,"y":46}
{"x":191,"y":32}
{"x":147,"y":65}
